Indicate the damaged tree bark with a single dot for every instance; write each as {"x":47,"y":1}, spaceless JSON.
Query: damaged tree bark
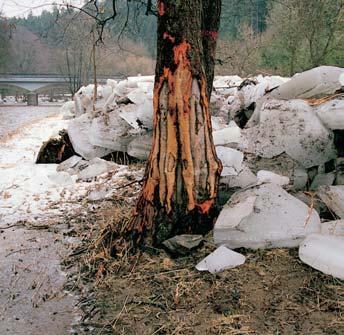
{"x":180,"y":189}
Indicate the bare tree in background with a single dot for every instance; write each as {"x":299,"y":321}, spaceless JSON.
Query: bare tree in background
{"x":76,"y":61}
{"x":309,"y":31}
{"x":241,"y":55}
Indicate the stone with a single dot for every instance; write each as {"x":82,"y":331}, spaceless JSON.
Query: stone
{"x":270,"y":177}
{"x":331,"y":113}
{"x":325,"y":179}
{"x":313,"y":83}
{"x":78,"y":132}
{"x":183,"y":244}
{"x":333,"y":197}
{"x":265,"y":216}
{"x":221,"y":259}
{"x":68,"y":163}
{"x":324,"y":253}
{"x":291,"y":127}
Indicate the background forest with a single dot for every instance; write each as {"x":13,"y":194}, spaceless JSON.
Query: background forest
{"x":257,"y":36}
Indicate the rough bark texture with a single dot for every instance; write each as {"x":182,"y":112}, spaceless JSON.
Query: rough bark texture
{"x":180,"y":189}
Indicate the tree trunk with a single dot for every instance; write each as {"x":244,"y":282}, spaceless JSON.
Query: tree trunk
{"x":180,"y":189}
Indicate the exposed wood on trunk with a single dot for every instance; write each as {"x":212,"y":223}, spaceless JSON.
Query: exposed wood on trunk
{"x":180,"y":189}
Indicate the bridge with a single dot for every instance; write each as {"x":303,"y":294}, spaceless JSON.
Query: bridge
{"x":35,"y":82}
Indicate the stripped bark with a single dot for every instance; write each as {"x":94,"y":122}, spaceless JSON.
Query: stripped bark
{"x":180,"y":189}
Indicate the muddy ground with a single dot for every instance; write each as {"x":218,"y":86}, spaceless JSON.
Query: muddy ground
{"x":153,"y":293}
{"x":33,"y":299}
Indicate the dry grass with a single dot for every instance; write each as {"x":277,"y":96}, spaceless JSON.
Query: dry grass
{"x":151,"y":293}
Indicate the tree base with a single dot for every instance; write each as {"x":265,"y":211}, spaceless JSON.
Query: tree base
{"x":153,"y":225}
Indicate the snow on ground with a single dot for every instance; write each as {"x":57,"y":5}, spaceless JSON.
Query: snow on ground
{"x":36,"y":191}
{"x":25,"y":187}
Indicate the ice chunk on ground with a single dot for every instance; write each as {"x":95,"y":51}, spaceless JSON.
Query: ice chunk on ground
{"x":140,"y":79}
{"x":291,"y":127}
{"x":78,"y":132}
{"x":333,"y":228}
{"x":61,"y":178}
{"x":230,"y":135}
{"x":68,"y":110}
{"x":145,"y":114}
{"x":139,"y":116}
{"x":231,"y":160}
{"x":331,"y":113}
{"x":137,"y":96}
{"x":264,"y":217}
{"x":140,"y":147}
{"x":218,"y":123}
{"x":221,"y":259}
{"x":324,"y":253}
{"x":83,"y":99}
{"x":68,"y":163}
{"x":234,"y":213}
{"x":245,"y":178}
{"x":109,"y":130}
{"x":97,"y":166}
{"x":333,"y":197}
{"x":316,"y":82}
{"x":96,"y":195}
{"x":270,"y":177}
{"x":226,"y":81}
{"x":104,"y":92}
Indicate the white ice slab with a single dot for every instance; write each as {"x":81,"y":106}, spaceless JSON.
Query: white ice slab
{"x":264,"y":176}
{"x":221,"y":259}
{"x":264,"y":217}
{"x":324,"y":253}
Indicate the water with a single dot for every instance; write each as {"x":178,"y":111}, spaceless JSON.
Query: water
{"x":16,"y":116}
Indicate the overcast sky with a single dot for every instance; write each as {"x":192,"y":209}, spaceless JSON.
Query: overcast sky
{"x":22,"y":7}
